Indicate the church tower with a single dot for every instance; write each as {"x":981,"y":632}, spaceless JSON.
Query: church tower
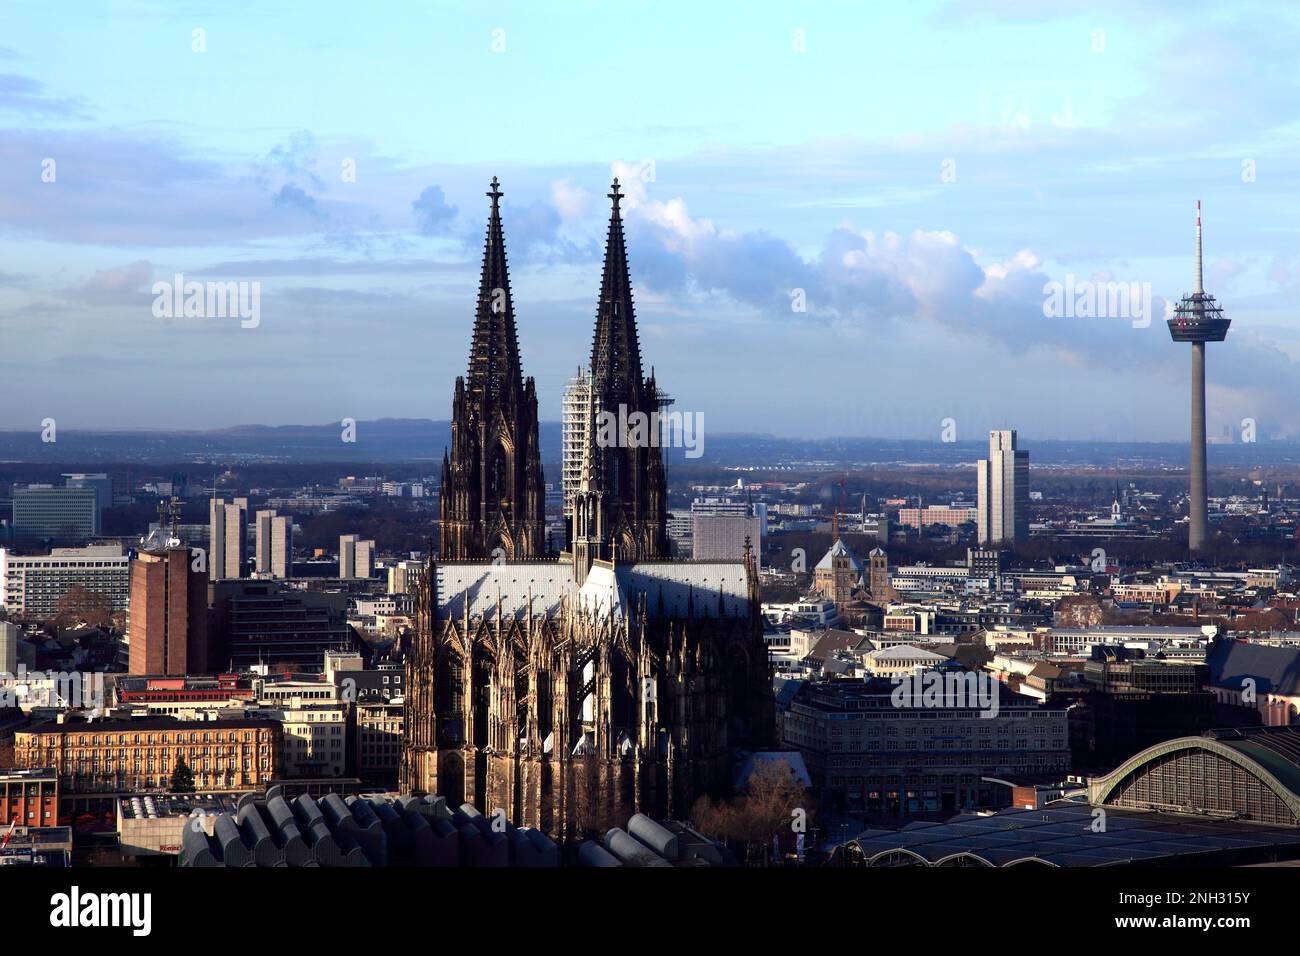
{"x":493,"y":498}
{"x":625,"y":478}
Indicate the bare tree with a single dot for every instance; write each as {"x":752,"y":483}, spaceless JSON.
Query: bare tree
{"x":771,"y":811}
{"x":81,"y":606}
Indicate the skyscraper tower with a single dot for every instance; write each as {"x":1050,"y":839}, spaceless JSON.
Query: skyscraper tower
{"x":168,"y":618}
{"x":575,"y":411}
{"x":1198,"y":319}
{"x":1002,"y":490}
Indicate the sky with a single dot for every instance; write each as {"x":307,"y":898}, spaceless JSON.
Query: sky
{"x":842,"y":218}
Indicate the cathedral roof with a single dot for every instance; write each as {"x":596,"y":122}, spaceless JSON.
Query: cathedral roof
{"x":682,"y":588}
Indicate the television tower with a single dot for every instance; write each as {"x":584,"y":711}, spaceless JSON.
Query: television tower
{"x":1198,"y":319}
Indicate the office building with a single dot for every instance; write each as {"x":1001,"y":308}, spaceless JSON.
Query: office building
{"x":43,"y":512}
{"x":226,"y":538}
{"x":986,"y":563}
{"x":1003,"y":480}
{"x":877,"y":757}
{"x":379,"y":741}
{"x":681,"y":528}
{"x":187,"y":698}
{"x":32,"y":585}
{"x":263,"y":622}
{"x":273,"y":545}
{"x":950,"y":516}
{"x":1133,"y":701}
{"x":101,"y":482}
{"x":403,"y":576}
{"x":167,"y":628}
{"x":356,"y":557}
{"x":314,"y":741}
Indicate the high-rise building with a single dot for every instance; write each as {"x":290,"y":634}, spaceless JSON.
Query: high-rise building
{"x":226,"y":539}
{"x":101,"y":482}
{"x":64,"y":514}
{"x":167,"y":629}
{"x":1198,"y":319}
{"x":573,"y":436}
{"x":493,"y":500}
{"x":8,"y":648}
{"x":273,"y":545}
{"x":217,"y":539}
{"x":262,"y":541}
{"x":1003,"y":501}
{"x":356,"y":557}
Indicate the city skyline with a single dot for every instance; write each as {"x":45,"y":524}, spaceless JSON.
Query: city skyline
{"x":922,"y":229}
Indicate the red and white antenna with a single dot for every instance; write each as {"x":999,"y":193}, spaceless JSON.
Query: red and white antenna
{"x":8,"y":833}
{"x":1199,"y":288}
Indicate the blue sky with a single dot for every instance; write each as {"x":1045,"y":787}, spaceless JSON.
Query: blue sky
{"x":919,"y":170}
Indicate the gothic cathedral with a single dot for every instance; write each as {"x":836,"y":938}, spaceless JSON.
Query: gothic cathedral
{"x":573,"y":690}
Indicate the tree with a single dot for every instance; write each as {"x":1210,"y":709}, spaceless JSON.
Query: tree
{"x":80,"y":606}
{"x":182,"y":777}
{"x":774,"y":801}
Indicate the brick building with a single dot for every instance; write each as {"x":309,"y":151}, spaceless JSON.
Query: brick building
{"x":125,"y":755}
{"x":168,"y":624}
{"x":29,"y":797}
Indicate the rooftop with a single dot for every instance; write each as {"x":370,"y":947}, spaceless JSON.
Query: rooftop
{"x":1063,"y":835}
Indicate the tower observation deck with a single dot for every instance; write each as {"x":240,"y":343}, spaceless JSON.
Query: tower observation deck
{"x":1198,"y":319}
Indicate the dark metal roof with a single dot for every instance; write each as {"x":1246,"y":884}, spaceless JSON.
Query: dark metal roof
{"x":1063,"y":835}
{"x":1275,"y":670}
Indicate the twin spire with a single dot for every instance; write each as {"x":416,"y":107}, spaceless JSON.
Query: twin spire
{"x":494,"y":364}
{"x":494,"y":468}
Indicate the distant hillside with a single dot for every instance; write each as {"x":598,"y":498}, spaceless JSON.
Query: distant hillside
{"x":420,"y":439}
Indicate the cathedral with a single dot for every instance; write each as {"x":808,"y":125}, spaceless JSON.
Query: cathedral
{"x":573,"y":690}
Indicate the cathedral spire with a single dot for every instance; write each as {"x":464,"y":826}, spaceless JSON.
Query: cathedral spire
{"x":492,"y":494}
{"x":494,"y":351}
{"x":626,"y":469}
{"x":615,"y":353}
